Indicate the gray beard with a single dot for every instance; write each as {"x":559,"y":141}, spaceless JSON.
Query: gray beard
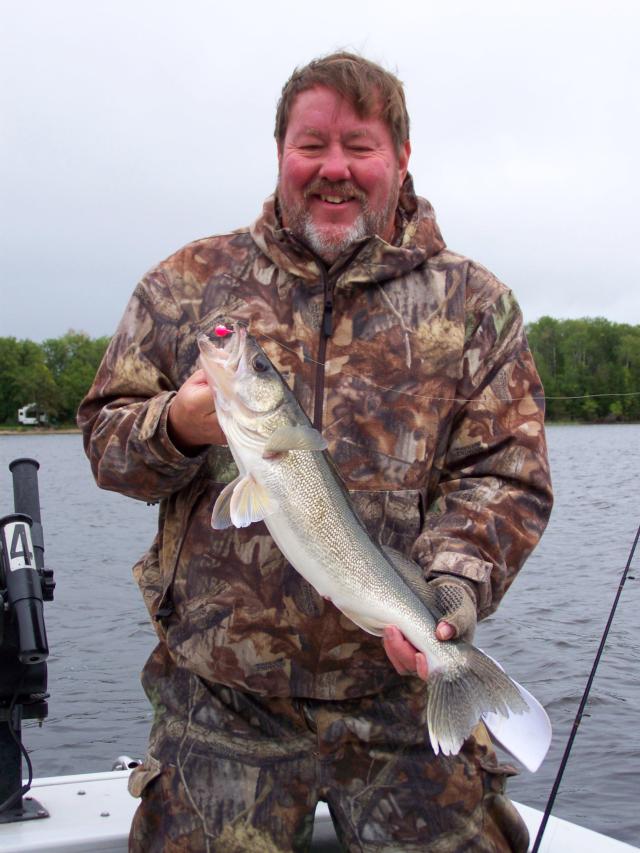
{"x":328,"y":244}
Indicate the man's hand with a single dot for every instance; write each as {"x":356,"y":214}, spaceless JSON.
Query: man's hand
{"x":406,"y":659}
{"x":192,"y":421}
{"x":449,"y":596}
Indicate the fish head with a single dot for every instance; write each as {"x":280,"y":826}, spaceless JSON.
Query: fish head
{"x":244,"y":382}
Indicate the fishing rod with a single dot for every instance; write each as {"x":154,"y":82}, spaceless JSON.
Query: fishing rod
{"x":583,"y":701}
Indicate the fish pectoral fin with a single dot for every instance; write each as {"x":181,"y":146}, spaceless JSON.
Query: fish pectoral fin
{"x":221,"y":515}
{"x":294,"y":438}
{"x":371,"y":626}
{"x":250,"y":502}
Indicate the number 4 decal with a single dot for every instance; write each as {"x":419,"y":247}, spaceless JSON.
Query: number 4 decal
{"x":20,"y":548}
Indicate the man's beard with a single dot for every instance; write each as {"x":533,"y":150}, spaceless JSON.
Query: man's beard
{"x":329,"y":241}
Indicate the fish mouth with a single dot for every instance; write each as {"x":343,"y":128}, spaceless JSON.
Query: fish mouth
{"x":221,"y":360}
{"x":227,"y":352}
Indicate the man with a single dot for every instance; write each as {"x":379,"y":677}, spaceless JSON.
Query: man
{"x":413,"y":363}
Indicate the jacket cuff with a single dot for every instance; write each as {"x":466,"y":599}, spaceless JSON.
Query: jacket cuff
{"x":472,"y":569}
{"x":155,"y":433}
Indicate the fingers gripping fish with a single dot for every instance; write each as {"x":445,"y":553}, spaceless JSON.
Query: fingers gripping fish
{"x":288,"y":481}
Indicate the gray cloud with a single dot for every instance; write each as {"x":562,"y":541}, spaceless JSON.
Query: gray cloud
{"x":132,"y":128}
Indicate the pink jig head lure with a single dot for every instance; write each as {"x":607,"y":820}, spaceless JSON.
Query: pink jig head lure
{"x":222,"y":331}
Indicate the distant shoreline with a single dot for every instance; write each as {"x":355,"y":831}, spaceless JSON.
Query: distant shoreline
{"x":39,"y":431}
{"x":76,"y":431}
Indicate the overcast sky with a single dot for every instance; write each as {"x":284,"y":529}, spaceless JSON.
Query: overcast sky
{"x":131,"y":128}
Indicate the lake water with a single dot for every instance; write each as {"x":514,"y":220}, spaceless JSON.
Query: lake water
{"x":546,"y":632}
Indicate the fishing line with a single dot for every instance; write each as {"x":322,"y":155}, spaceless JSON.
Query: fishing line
{"x":307,"y":358}
{"x":583,"y":701}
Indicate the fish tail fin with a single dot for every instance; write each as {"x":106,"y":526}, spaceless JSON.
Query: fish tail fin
{"x":458,"y":699}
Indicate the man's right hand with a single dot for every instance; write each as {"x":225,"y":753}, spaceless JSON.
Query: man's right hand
{"x":454,"y":599}
{"x":406,"y":659}
{"x":192,"y":421}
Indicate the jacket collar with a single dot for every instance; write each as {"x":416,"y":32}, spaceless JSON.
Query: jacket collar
{"x":373,"y":259}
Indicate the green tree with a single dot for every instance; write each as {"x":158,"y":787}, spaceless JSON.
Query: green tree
{"x":10,"y":396}
{"x":73,"y":361}
{"x":25,"y":378}
{"x":590,"y":368}
{"x":55,"y":374}
{"x":628,"y":355}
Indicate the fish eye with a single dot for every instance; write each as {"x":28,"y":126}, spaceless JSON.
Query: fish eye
{"x":260,"y":364}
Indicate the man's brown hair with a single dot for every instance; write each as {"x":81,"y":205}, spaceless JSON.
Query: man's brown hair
{"x":367,"y":87}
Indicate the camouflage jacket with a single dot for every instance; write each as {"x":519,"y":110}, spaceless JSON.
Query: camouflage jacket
{"x":413,"y":362}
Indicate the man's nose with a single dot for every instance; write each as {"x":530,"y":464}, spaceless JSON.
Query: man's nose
{"x":335,"y":165}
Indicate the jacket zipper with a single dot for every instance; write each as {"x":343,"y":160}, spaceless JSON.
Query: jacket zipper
{"x":326,"y":330}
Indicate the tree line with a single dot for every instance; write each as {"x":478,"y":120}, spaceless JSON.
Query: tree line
{"x":55,"y":375}
{"x":590,"y":369}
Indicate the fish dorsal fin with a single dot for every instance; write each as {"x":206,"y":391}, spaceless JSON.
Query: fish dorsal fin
{"x":294,"y":438}
{"x":241,"y":503}
{"x":221,"y":515}
{"x":411,"y":574}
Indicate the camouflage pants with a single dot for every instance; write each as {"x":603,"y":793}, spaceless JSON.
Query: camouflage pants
{"x":233,"y":772}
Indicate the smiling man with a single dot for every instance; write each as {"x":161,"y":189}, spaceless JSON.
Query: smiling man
{"x":340,"y":172}
{"x":413,"y":363}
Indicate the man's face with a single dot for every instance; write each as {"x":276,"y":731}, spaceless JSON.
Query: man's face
{"x":339,"y":174}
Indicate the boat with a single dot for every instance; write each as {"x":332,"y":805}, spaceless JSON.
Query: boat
{"x":92,"y":812}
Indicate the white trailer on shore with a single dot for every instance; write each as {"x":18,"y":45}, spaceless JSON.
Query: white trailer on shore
{"x":30,"y":415}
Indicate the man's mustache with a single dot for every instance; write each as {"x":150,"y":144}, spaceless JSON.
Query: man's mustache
{"x":339,"y":189}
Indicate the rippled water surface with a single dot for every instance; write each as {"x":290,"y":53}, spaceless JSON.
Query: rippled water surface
{"x":546,"y":632}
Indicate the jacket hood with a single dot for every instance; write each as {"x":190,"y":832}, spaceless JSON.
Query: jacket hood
{"x":374,"y":260}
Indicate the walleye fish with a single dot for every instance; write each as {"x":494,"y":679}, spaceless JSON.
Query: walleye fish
{"x":288,"y":480}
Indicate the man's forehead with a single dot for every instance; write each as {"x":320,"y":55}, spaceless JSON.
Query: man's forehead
{"x":316,"y":108}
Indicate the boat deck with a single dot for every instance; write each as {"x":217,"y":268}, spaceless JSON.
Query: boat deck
{"x":92,"y":812}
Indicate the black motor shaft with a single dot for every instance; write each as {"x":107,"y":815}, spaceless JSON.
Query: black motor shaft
{"x":23,"y":587}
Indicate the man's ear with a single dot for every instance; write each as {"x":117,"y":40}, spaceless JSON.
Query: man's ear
{"x":403,"y":160}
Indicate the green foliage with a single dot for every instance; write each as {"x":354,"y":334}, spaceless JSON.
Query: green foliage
{"x":55,"y":374}
{"x":587,"y":366}
{"x":73,"y":361}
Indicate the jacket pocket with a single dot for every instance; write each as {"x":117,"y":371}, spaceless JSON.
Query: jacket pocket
{"x":148,"y":575}
{"x":142,"y":775}
{"x":499,"y":809}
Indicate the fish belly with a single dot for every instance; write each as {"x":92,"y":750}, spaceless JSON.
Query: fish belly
{"x":358,"y":581}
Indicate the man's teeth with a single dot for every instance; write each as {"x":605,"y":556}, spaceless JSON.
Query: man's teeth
{"x":333,"y":199}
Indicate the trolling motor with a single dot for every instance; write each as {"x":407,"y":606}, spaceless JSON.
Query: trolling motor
{"x":24,"y":585}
